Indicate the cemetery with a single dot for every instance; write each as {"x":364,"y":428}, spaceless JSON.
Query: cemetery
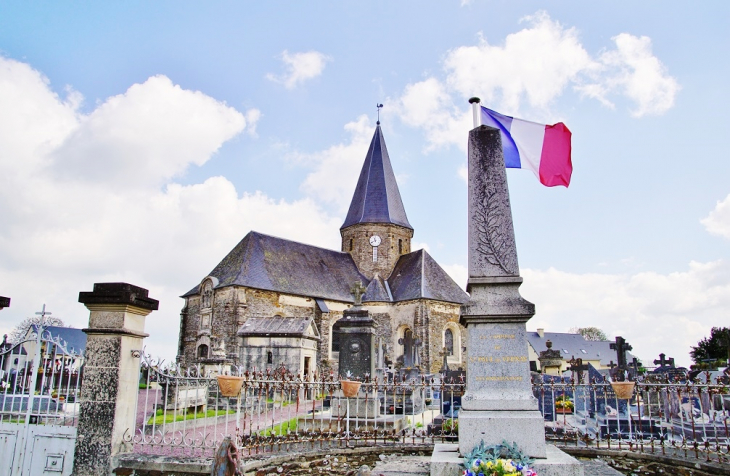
{"x":280,"y":410}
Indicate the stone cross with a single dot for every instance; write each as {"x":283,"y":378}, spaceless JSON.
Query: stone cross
{"x":407,"y":342}
{"x":662,"y":361}
{"x":357,"y":290}
{"x":416,"y":352}
{"x":621,"y":347}
{"x":445,"y":365}
{"x":576,"y":365}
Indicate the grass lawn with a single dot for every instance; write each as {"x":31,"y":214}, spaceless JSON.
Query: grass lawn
{"x":281,"y":428}
{"x":171,"y":416}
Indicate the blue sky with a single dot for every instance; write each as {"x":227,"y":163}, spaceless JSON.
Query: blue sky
{"x":143,"y":141}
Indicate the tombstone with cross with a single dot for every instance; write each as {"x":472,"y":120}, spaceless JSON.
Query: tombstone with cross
{"x":621,"y":347}
{"x":577,"y":367}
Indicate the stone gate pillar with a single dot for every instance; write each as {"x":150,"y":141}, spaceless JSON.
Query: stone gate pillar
{"x":111,"y":373}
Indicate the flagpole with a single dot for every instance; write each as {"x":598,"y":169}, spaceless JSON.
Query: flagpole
{"x":475,"y":111}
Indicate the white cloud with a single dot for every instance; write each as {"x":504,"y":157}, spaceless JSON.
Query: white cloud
{"x":718,"y":221}
{"x":536,"y":64}
{"x":654,"y":312}
{"x":458,"y":273}
{"x":300,"y":67}
{"x":534,"y":67}
{"x":632,"y":69}
{"x":147,"y":135}
{"x":90,"y":198}
{"x":337,"y":168}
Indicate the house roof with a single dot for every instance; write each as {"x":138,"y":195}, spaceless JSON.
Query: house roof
{"x":278,"y":326}
{"x":377,"y":291}
{"x":275,"y":264}
{"x":417,"y":275}
{"x":73,"y":339}
{"x":574,"y":345}
{"x":377,"y":198}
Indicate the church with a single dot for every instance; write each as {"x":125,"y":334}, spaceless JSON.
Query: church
{"x":273,"y":301}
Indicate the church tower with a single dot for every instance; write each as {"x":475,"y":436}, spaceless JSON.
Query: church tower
{"x":376,"y":231}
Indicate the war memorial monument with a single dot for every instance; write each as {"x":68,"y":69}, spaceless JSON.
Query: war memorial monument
{"x":498,"y":404}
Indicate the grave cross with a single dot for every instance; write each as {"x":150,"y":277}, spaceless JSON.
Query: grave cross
{"x":576,"y":365}
{"x":663,"y":362}
{"x":407,"y":342}
{"x":445,"y":365}
{"x":357,"y":290}
{"x":621,"y":347}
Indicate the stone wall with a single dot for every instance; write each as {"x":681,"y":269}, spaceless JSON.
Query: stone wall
{"x":389,"y":250}
{"x":232,"y":306}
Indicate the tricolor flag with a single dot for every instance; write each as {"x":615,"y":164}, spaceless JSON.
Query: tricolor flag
{"x":541,"y":148}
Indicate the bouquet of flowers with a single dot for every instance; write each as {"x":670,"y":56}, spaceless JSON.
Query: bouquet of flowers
{"x":504,"y":459}
{"x":499,"y":467}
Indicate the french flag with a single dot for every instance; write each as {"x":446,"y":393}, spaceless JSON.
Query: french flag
{"x":544,"y":149}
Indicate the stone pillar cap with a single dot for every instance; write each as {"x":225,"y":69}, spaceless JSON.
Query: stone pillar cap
{"x":4,"y":302}
{"x":119,"y":293}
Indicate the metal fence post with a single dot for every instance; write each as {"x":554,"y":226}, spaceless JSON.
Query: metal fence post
{"x":111,"y":375}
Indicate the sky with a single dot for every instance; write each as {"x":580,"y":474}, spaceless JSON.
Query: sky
{"x":139,"y":142}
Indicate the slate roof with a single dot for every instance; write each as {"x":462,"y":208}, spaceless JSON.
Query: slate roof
{"x":275,"y":264}
{"x":275,"y":326}
{"x":75,"y":339}
{"x":417,"y":275}
{"x":574,"y":345}
{"x":377,"y":291}
{"x":265,"y":262}
{"x":376,"y":198}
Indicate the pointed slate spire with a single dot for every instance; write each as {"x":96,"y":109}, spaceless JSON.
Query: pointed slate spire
{"x":376,"y":198}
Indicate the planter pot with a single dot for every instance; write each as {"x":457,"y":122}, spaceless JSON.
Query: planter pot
{"x":566,"y":411}
{"x":350,"y":387}
{"x":229,"y":386}
{"x":623,"y":390}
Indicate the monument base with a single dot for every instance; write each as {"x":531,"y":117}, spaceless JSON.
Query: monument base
{"x":527,"y":428}
{"x":446,"y":461}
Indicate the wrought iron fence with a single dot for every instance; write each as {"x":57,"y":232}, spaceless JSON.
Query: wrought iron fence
{"x":689,"y":418}
{"x":40,"y":382}
{"x":184,"y":412}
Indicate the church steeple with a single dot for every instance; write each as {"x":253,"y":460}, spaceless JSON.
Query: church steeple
{"x":376,"y":198}
{"x":376,"y":231}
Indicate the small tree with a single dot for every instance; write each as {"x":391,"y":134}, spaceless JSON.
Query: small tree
{"x":21,"y":330}
{"x":590,"y":333}
{"x":715,"y":347}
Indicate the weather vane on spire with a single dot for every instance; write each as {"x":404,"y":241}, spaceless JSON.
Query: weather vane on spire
{"x":379,"y":106}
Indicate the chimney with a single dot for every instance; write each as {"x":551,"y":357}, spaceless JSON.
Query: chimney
{"x":541,"y":332}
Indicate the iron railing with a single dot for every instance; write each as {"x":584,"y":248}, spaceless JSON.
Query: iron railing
{"x":40,"y":382}
{"x":182,"y":412}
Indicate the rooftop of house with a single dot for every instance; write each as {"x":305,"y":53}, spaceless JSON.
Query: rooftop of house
{"x":575,"y":345}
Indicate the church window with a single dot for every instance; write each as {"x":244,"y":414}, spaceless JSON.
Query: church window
{"x":400,"y":247}
{"x":269,"y":357}
{"x":375,"y":254}
{"x":449,"y":342}
{"x":351,"y":244}
{"x":202,"y":351}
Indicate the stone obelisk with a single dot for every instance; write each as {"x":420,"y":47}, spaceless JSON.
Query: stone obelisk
{"x":498,"y":404}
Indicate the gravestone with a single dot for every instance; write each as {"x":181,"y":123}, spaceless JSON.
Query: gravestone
{"x":355,"y":332}
{"x":498,"y":403}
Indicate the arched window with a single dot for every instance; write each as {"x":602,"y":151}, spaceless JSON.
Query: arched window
{"x":351,"y":244}
{"x":400,"y":247}
{"x":449,"y":342}
{"x":202,"y":351}
{"x":269,"y":357}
